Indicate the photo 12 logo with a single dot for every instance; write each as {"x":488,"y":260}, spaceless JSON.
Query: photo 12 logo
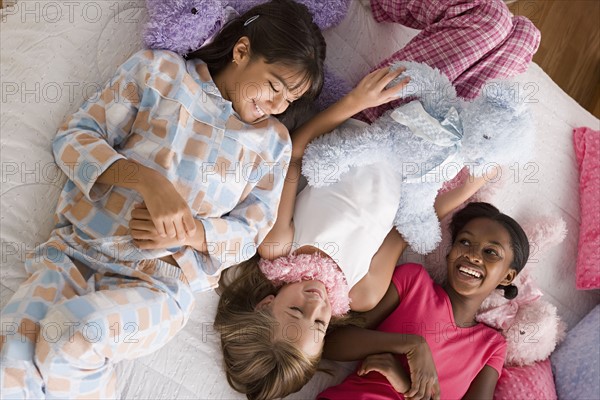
{"x":52,"y":12}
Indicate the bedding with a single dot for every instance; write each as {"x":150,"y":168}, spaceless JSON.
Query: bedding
{"x":54,"y":55}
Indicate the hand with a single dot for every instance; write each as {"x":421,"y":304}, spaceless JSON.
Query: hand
{"x":169,"y":212}
{"x":371,"y":90}
{"x":145,"y":235}
{"x":387,"y":365}
{"x":423,"y":375}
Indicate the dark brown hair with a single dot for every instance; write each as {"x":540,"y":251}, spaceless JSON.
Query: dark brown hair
{"x":284,"y":33}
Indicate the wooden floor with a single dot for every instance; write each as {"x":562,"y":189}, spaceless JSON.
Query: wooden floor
{"x":570,"y":48}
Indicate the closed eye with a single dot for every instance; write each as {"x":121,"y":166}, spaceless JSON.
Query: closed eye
{"x":297,"y":309}
{"x":277,"y":91}
{"x":273,"y":87}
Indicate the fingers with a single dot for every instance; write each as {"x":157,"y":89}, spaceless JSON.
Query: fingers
{"x":145,"y":244}
{"x":189,"y":223}
{"x":142,"y":225}
{"x":141,"y":214}
{"x":180,"y":230}
{"x":436,"y":390}
{"x":395,"y":91}
{"x":428,"y":390}
{"x":424,"y":388}
{"x":369,"y":364}
{"x":392,"y":74}
{"x":138,"y":234}
{"x":141,"y":219}
{"x":415,"y":391}
{"x":169,"y":228}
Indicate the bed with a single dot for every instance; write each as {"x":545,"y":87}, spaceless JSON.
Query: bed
{"x":55,"y":54}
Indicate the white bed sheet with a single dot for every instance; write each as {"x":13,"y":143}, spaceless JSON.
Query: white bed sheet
{"x":53,"y":57}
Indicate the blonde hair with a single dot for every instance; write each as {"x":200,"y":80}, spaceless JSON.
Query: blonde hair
{"x":255,"y":362}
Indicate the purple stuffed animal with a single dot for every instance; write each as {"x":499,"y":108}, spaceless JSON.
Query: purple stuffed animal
{"x":183,"y":26}
{"x":326,"y":13}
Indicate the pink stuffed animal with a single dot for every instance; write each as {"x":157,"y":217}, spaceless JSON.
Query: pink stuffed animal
{"x":530,"y":324}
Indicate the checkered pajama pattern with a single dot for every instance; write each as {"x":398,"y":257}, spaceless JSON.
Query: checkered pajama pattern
{"x":62,"y":334}
{"x":471,"y":41}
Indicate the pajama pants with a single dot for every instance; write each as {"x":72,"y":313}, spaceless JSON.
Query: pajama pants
{"x":66,"y":327}
{"x":471,"y":41}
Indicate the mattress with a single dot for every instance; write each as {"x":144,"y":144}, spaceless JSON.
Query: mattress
{"x":54,"y":55}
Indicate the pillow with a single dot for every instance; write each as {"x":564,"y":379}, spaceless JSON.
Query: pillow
{"x":529,"y":382}
{"x":576,"y":362}
{"x":587,"y":149}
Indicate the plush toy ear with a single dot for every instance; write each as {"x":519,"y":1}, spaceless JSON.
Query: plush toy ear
{"x":429,"y":85}
{"x":181,"y":26}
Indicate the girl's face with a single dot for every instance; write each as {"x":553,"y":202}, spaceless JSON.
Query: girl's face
{"x":480,"y":258}
{"x":257,"y":89}
{"x":303,"y":312}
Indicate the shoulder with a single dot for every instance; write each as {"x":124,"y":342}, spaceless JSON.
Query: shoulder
{"x":493,"y":337}
{"x":410,"y":276}
{"x":155,"y":55}
{"x":411,"y":271}
{"x":164,"y":60}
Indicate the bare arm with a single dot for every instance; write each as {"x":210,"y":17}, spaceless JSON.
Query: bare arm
{"x":277,"y":241}
{"x":446,"y":202}
{"x":368,"y":93}
{"x":353,"y":343}
{"x":369,"y":291}
{"x":483,"y":386}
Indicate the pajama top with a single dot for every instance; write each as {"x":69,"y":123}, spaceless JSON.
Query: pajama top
{"x":425,"y":309}
{"x":167,"y":114}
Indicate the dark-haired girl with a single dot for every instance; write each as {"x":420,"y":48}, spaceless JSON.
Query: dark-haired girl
{"x":427,"y":343}
{"x":193,"y":143}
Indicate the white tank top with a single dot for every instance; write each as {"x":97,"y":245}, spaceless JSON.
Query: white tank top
{"x":349,"y":219}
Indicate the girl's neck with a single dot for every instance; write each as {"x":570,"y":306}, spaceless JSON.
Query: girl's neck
{"x":464,"y":309}
{"x":219,"y":79}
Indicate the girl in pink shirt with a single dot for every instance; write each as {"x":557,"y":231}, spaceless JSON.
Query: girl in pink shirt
{"x":427,"y":343}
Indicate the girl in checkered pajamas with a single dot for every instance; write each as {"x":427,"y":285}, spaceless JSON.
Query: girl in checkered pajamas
{"x":175,"y":171}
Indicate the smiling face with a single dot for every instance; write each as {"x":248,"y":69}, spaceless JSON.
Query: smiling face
{"x":303,"y":312}
{"x":480,"y":259}
{"x":256,"y":89}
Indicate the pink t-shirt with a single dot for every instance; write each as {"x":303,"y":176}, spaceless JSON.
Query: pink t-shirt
{"x":425,"y":309}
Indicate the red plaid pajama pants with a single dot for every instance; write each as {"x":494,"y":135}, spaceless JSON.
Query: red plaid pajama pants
{"x":471,"y":41}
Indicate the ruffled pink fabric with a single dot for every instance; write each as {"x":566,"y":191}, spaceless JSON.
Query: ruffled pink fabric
{"x":306,"y":267}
